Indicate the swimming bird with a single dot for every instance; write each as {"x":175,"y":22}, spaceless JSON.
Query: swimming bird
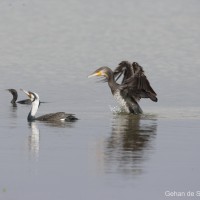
{"x":134,"y":86}
{"x":15,"y":96}
{"x":52,"y":117}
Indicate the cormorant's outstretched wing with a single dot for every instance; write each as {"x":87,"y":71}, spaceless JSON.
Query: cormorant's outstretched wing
{"x":138,"y":85}
{"x":124,"y":68}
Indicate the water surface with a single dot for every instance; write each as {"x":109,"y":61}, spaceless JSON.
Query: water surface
{"x":50,"y":47}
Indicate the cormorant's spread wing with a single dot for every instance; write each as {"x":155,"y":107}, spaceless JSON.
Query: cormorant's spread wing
{"x":139,"y":87}
{"x":124,"y":68}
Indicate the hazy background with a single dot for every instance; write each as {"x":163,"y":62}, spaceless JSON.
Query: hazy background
{"x":50,"y":47}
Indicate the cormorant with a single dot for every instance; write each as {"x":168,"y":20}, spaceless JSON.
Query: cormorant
{"x":134,"y":85}
{"x":15,"y":96}
{"x":52,"y":117}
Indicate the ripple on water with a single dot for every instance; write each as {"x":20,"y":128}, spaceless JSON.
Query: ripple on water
{"x":163,"y":113}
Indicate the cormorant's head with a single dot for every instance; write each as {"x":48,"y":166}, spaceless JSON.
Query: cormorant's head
{"x":102,"y":71}
{"x":32,"y":95}
{"x":12,"y":91}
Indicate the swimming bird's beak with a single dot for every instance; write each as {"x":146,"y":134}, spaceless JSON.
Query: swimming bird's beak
{"x":9,"y":90}
{"x":26,"y":92}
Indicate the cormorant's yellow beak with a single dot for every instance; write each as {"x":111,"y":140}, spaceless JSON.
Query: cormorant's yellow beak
{"x":99,"y":73}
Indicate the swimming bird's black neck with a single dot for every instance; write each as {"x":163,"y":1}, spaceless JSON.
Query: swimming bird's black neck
{"x":13,"y":100}
{"x":15,"y":96}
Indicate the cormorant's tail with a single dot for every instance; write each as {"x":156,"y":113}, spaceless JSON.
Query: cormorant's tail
{"x":70,"y":118}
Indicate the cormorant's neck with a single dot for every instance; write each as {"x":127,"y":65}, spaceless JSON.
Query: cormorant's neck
{"x":34,"y":108}
{"x":30,"y":118}
{"x":112,"y":83}
{"x":14,"y":99}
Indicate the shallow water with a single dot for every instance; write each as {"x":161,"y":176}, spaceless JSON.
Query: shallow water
{"x":50,"y":47}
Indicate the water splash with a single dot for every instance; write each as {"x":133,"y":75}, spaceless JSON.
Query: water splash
{"x":116,"y":109}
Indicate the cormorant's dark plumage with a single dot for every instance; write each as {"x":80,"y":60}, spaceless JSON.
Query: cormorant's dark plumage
{"x":138,"y":83}
{"x":124,"y":68}
{"x":15,"y":96}
{"x":133,"y":87}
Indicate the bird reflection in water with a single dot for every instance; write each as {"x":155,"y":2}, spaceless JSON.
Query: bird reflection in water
{"x":34,"y":140}
{"x":59,"y":124}
{"x":13,"y":110}
{"x":130,"y":143}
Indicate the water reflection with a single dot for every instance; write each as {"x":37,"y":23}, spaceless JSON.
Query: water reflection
{"x":14,"y":105}
{"x":130,"y":143}
{"x":34,"y":140}
{"x":13,"y":109}
{"x":59,"y":124}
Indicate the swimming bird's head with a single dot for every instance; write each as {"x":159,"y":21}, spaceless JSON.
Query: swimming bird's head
{"x":12,"y":91}
{"x":15,"y":95}
{"x":32,"y":95}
